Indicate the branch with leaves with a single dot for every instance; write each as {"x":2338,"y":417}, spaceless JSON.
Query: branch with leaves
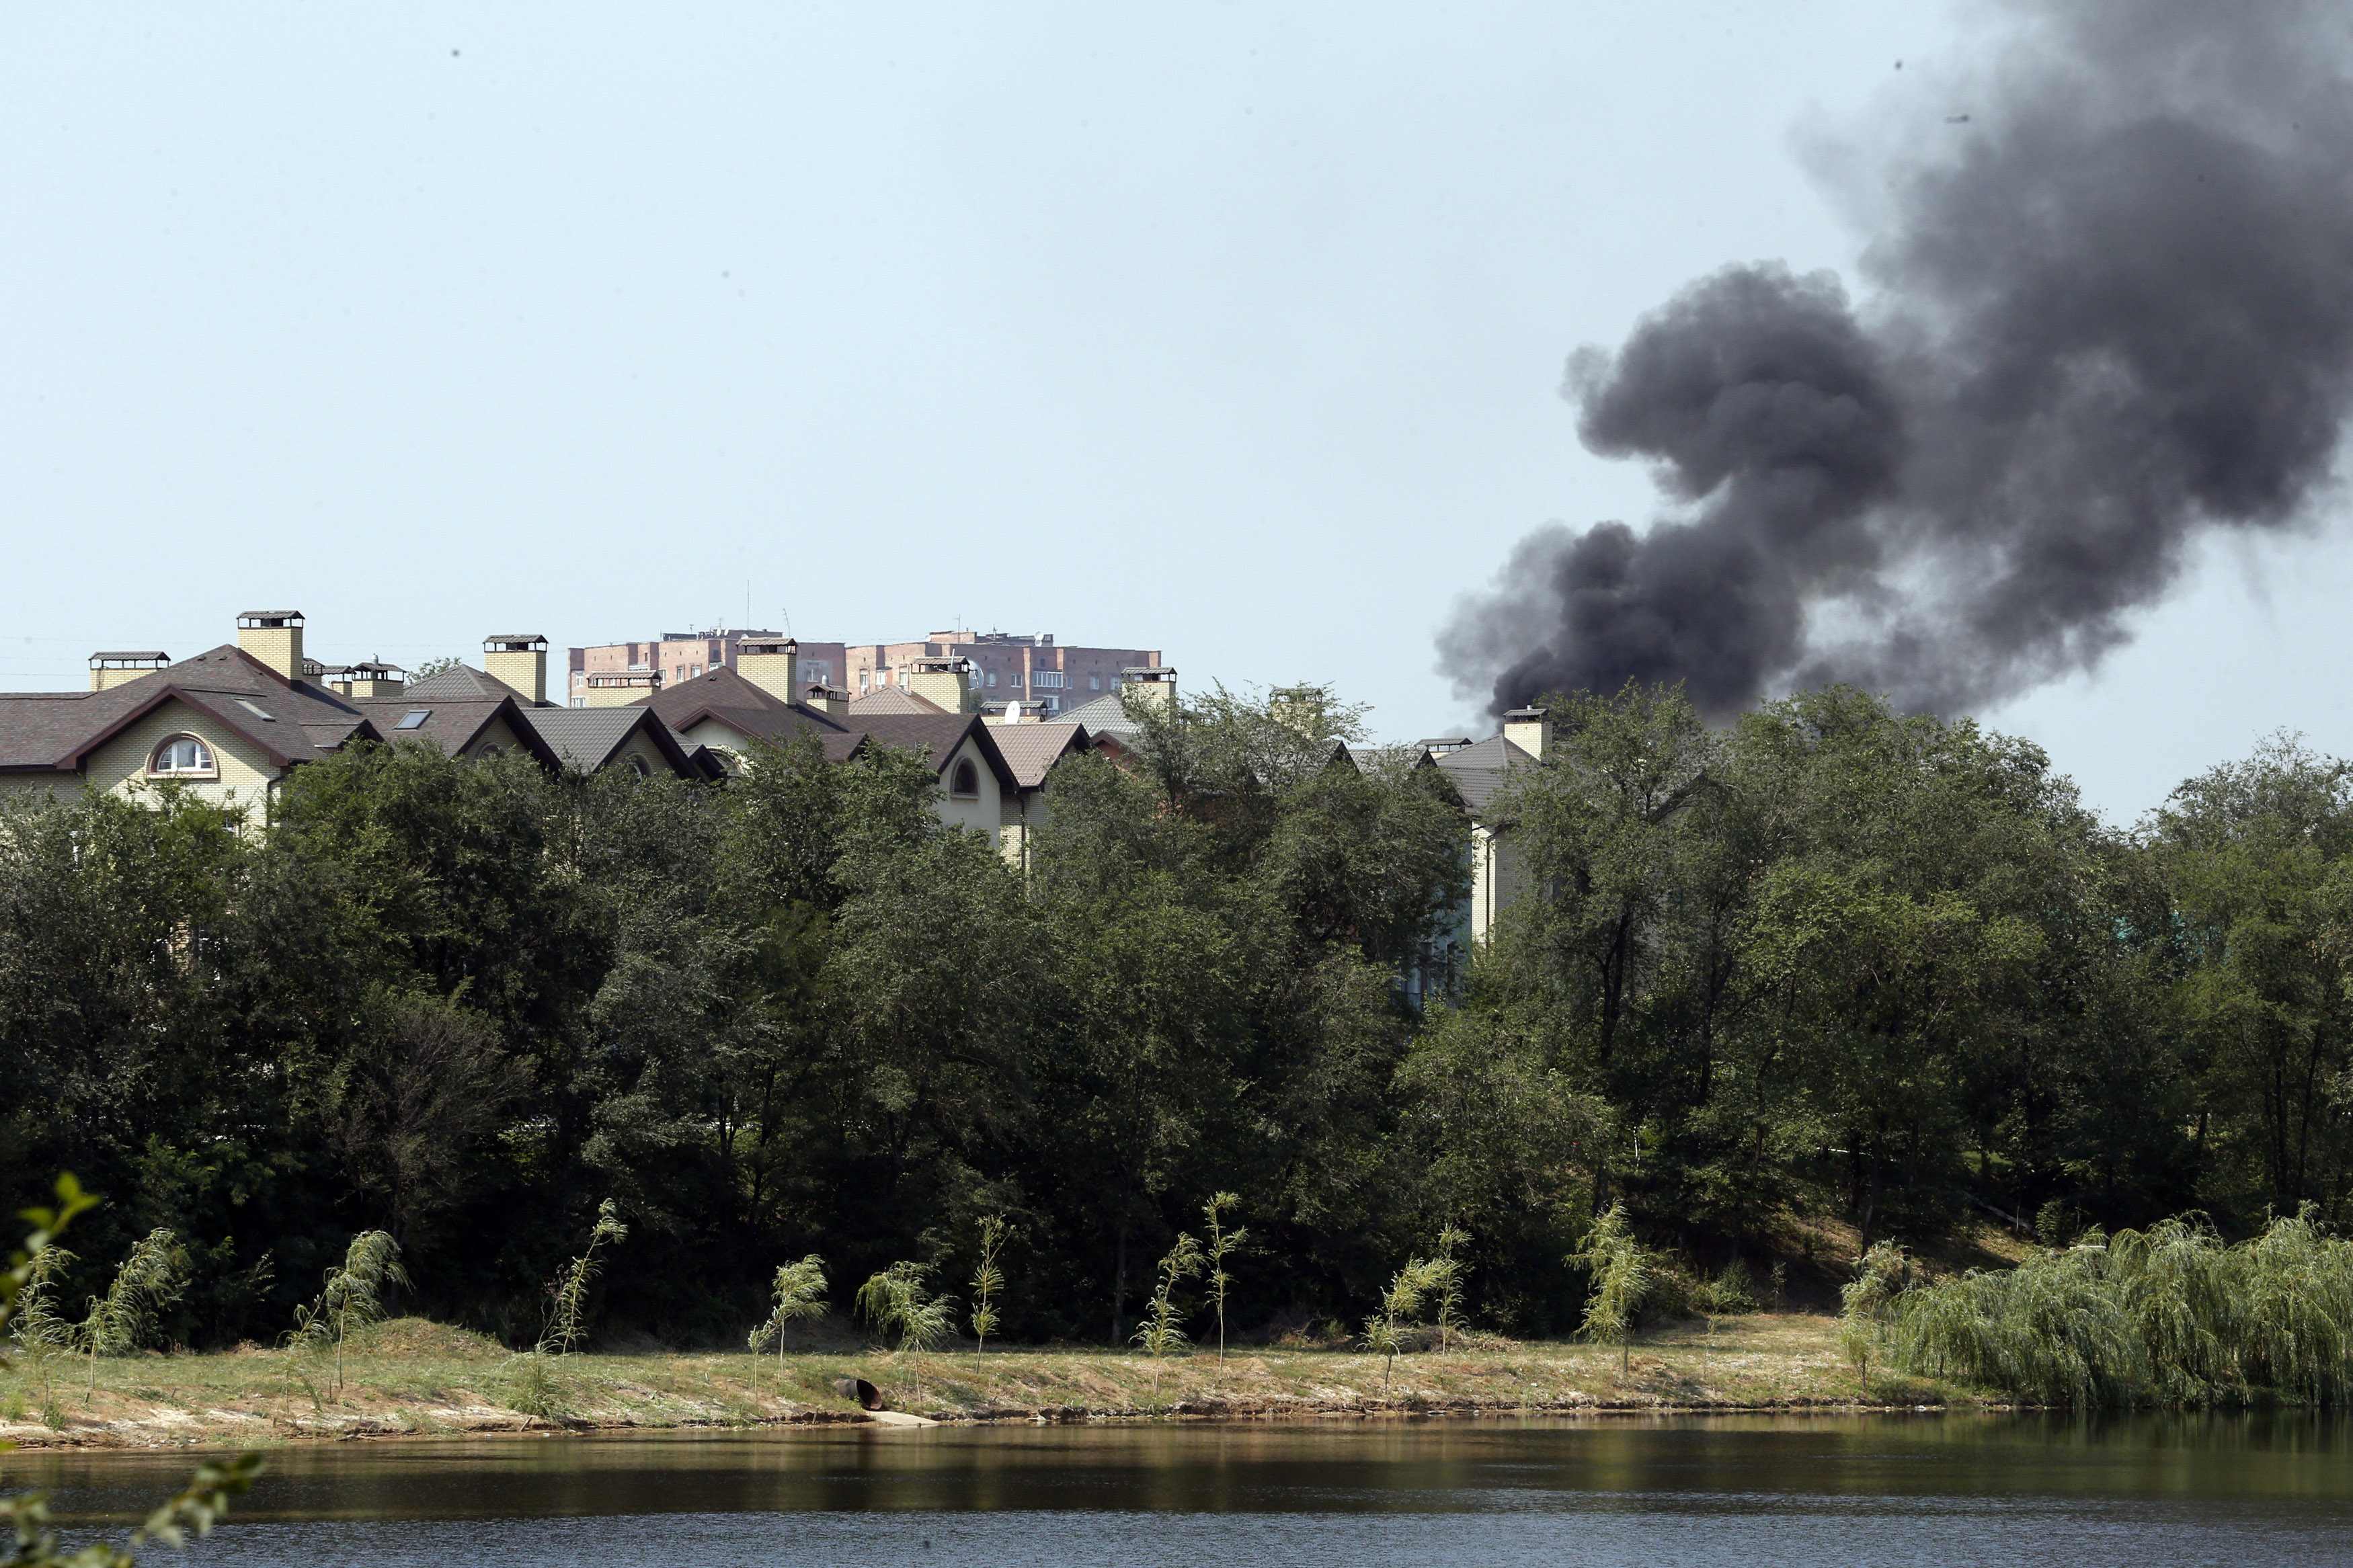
{"x":351,"y":1298}
{"x":1618,"y":1268}
{"x":988,"y":1279}
{"x":796,"y":1295}
{"x":1224,"y":1242}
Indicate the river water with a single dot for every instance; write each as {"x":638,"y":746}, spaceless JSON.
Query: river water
{"x":1862,"y":1491}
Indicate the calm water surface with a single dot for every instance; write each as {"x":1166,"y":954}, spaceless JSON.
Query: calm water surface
{"x":1930,"y":1489}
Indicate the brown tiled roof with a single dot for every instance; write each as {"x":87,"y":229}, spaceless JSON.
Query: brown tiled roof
{"x":588,"y":738}
{"x":885,"y":700}
{"x":937,"y":736}
{"x":288,"y":721}
{"x":453,"y":723}
{"x":729,"y":699}
{"x":1030,"y":750}
{"x":465,"y":682}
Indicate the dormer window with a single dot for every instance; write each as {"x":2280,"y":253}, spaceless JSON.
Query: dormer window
{"x":183,"y":757}
{"x":964,"y":782}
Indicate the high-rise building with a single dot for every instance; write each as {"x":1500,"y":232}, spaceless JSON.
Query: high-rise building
{"x":1005,"y":666}
{"x":682,"y":656}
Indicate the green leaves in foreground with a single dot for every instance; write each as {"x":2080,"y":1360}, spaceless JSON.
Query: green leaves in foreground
{"x":197,"y":1506}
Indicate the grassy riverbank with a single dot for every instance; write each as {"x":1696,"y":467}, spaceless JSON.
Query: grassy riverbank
{"x":414,"y":1378}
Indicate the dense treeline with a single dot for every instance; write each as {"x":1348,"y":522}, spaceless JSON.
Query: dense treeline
{"x":1831,"y":959}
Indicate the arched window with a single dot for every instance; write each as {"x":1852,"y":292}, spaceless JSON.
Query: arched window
{"x":488,"y":749}
{"x":183,"y":757}
{"x":966,"y":780}
{"x":637,"y":766}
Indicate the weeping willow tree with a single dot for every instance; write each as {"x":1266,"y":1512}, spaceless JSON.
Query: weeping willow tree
{"x":988,"y":1279}
{"x":1410,"y":1288}
{"x":1620,"y":1269}
{"x":1163,"y":1330}
{"x":898,"y":1300}
{"x":352,"y":1297}
{"x":537,"y":1391}
{"x":1225,"y":1240}
{"x":2171,"y":1316}
{"x":1868,"y":1307}
{"x":150,"y":1281}
{"x":43,"y":1334}
{"x":1449,"y":1275}
{"x":796,"y":1295}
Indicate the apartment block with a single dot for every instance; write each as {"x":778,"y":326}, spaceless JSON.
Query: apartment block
{"x":679,"y":656}
{"x":1005,"y":666}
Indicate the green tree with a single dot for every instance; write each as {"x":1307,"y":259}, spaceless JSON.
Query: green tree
{"x":796,"y":1295}
{"x":1618,"y":1271}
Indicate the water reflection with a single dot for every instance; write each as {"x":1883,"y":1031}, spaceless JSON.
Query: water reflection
{"x":1926,"y":1489}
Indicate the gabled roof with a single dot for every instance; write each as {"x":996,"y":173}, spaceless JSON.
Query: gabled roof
{"x":464,"y":681}
{"x":1480,"y":772}
{"x":1033,"y":750}
{"x":726,"y":697}
{"x":585,"y":739}
{"x":885,"y":700}
{"x":1102,"y":715}
{"x":453,"y":723}
{"x":288,"y":721}
{"x":937,"y":736}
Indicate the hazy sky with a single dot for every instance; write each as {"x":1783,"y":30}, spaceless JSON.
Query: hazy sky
{"x":1231,"y":330}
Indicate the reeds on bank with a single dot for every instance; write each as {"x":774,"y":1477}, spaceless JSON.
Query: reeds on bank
{"x":2171,"y":1316}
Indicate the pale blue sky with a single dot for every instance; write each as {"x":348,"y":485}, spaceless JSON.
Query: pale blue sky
{"x":1231,"y":330}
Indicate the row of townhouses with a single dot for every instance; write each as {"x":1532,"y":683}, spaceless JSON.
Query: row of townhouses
{"x":232,"y":723}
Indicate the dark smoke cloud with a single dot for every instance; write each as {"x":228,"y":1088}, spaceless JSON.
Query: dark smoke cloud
{"x":2114,"y":312}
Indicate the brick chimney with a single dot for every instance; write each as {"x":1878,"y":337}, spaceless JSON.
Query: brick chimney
{"x":1150,"y":683}
{"x":830,"y":700}
{"x":619,"y":688}
{"x":943,"y":681}
{"x":519,"y":660}
{"x":772,"y":663}
{"x":275,"y":637}
{"x":369,"y":678}
{"x":113,"y":668}
{"x":1529,"y":729}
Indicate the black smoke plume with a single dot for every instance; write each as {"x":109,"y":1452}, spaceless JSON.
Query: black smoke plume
{"x":2110,"y":311}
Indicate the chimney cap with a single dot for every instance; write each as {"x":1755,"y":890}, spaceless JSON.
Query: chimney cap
{"x":115,"y":656}
{"x":514,"y":640}
{"x":955,"y":662}
{"x":249,"y":618}
{"x":767,"y":644}
{"x":1525,"y":715}
{"x":375,"y":666}
{"x":820,"y":691}
{"x":1149,"y":672}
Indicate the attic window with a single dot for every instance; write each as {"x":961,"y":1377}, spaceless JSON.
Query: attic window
{"x":183,"y":756}
{"x":414,"y":719}
{"x":257,"y":711}
{"x":966,"y":780}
